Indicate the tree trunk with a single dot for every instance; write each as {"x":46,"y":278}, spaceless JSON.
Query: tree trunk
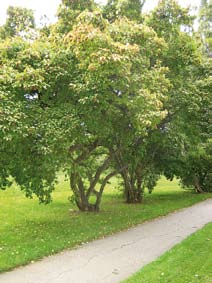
{"x":132,"y":187}
{"x":82,"y":194}
{"x":197,"y":186}
{"x":78,"y":188}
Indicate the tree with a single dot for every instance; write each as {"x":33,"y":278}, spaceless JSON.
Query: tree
{"x":188,"y":126}
{"x":205,"y":24}
{"x":113,"y":72}
{"x":195,"y":164}
{"x":132,"y":154}
{"x":73,"y":95}
{"x":19,"y":20}
{"x":123,"y":8}
{"x":95,"y":98}
{"x":33,"y":134}
{"x":184,"y":60}
{"x":196,"y":168}
{"x":68,"y":12}
{"x":181,"y":101}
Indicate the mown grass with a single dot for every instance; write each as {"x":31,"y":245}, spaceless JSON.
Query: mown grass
{"x":188,"y":262}
{"x":29,"y":231}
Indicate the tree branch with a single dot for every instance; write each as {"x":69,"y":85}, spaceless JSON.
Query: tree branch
{"x":98,"y":174}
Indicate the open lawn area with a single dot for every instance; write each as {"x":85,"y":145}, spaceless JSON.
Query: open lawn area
{"x":29,"y":231}
{"x":188,"y":262}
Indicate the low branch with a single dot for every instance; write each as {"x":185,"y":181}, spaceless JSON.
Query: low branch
{"x":75,"y":147}
{"x":98,"y":174}
{"x":106,"y":179}
{"x":86,"y":151}
{"x":81,"y":146}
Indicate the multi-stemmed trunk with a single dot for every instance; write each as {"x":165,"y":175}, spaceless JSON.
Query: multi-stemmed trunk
{"x":131,"y":174}
{"x":133,"y":189}
{"x":82,"y":195}
{"x":85,"y":187}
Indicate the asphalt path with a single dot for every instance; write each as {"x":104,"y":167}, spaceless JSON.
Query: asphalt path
{"x":116,"y":257}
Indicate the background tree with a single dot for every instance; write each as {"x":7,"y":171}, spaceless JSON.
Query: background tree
{"x":123,"y":8}
{"x":187,"y":128}
{"x":68,"y":12}
{"x":205,"y":24}
{"x":195,"y":168}
{"x":183,"y":58}
{"x":19,"y":20}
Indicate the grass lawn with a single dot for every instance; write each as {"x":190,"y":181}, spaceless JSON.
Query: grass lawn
{"x":188,"y":262}
{"x":29,"y":231}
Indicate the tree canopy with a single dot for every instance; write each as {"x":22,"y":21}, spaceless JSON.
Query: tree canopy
{"x":19,"y":21}
{"x":99,"y":95}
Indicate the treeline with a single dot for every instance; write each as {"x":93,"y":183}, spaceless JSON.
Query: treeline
{"x":105,"y":91}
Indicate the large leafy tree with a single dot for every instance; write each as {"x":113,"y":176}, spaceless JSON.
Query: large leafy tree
{"x":93,"y":98}
{"x":75,"y":97}
{"x":32,"y":132}
{"x":182,"y":57}
{"x":132,"y":154}
{"x":117,"y":73}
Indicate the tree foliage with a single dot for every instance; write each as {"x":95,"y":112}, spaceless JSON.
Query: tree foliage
{"x":196,"y":168}
{"x":205,"y":24}
{"x":100,"y":95}
{"x":125,"y":8}
{"x":178,"y":128}
{"x":68,"y":12}
{"x":19,"y":21}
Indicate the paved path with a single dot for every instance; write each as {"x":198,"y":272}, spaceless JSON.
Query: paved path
{"x":114,"y":258}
